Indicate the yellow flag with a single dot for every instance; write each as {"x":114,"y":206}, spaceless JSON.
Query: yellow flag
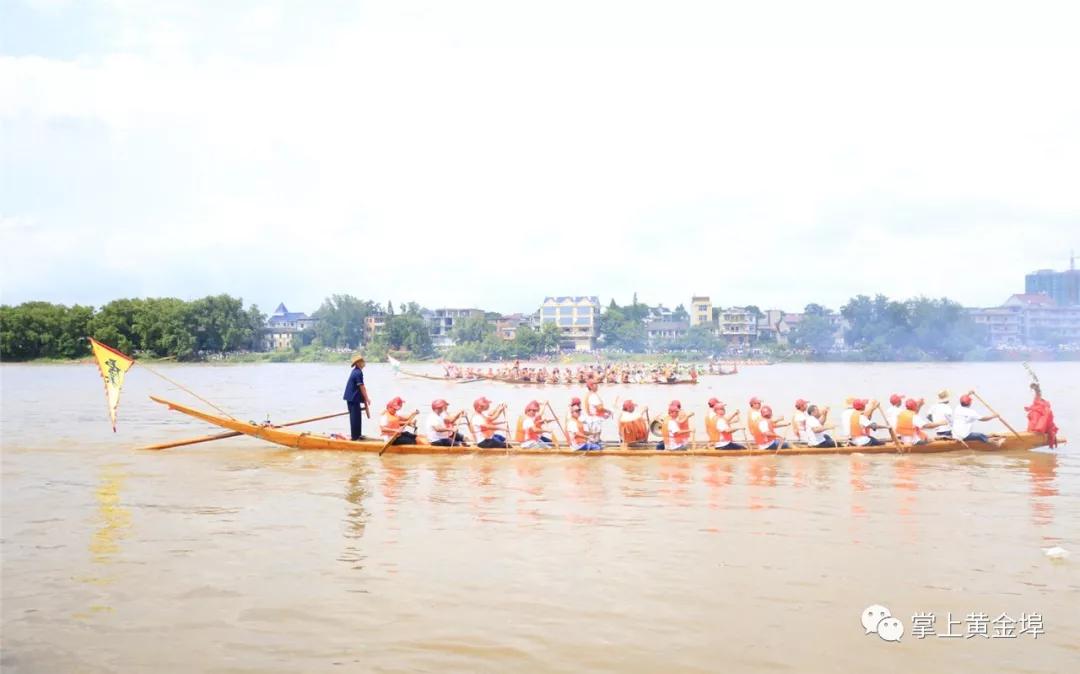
{"x":113,"y":366}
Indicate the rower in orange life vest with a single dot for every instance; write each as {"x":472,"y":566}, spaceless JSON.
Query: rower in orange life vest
{"x":491,"y":432}
{"x":770,"y":439}
{"x":753,"y":418}
{"x":910,"y":424}
{"x":391,"y":422}
{"x":577,"y":435}
{"x":530,"y":428}
{"x":893,"y":410}
{"x":441,"y":428}
{"x":676,"y":428}
{"x":860,"y":426}
{"x":632,"y":424}
{"x":718,"y":426}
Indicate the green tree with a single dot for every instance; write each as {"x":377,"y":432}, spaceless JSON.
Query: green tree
{"x":814,"y":333}
{"x":220,"y":323}
{"x":471,"y":330}
{"x":341,"y":320}
{"x":680,"y":314}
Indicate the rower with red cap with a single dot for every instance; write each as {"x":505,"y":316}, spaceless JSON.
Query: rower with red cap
{"x":860,"y":427}
{"x":441,"y":427}
{"x":718,"y":426}
{"x":530,"y":428}
{"x":894,"y":408}
{"x":490,"y":431}
{"x":753,"y":417}
{"x":911,"y":424}
{"x":676,"y":429}
{"x":633,"y":426}
{"x":392,"y":423}
{"x":800,"y":420}
{"x":577,"y":433}
{"x":767,"y":428}
{"x":593,"y":407}
{"x":964,"y":419}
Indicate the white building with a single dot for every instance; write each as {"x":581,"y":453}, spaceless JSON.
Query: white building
{"x":283,"y":327}
{"x":442,"y":323}
{"x":578,"y":318}
{"x":1029,"y":319}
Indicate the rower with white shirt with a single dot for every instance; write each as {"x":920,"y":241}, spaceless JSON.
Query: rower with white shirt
{"x":441,"y":428}
{"x":815,"y":433}
{"x":942,"y":415}
{"x":964,"y":419}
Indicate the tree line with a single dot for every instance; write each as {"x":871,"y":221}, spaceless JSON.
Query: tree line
{"x":158,"y":327}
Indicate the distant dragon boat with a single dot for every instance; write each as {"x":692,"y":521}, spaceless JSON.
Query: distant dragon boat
{"x":315,"y":441}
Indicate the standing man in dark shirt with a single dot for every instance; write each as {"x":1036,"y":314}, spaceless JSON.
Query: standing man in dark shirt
{"x":356,"y":398}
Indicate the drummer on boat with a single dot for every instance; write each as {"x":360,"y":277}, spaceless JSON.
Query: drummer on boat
{"x":718,"y":426}
{"x":486,"y":427}
{"x":633,"y":423}
{"x":392,"y":424}
{"x":441,"y":428}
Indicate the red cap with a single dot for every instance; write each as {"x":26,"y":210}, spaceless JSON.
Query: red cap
{"x":859,"y":404}
{"x":712,"y":402}
{"x":575,"y":401}
{"x":533,"y":405}
{"x":628,"y":405}
{"x":766,"y":411}
{"x":965,"y":400}
{"x":755,"y":401}
{"x":439,"y":403}
{"x":800,"y":404}
{"x":395,"y":403}
{"x":674,"y":405}
{"x":895,"y":398}
{"x":912,"y":404}
{"x":719,"y":405}
{"x":480,"y":402}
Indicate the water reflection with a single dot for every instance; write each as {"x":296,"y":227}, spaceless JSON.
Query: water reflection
{"x":114,"y":522}
{"x":356,"y":516}
{"x":1042,"y":470}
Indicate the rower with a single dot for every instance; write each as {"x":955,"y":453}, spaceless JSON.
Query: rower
{"x":487,"y":426}
{"x":441,"y":429}
{"x":800,"y":420}
{"x":595,"y":412}
{"x":577,"y":436}
{"x":941,"y":414}
{"x":860,"y":426}
{"x":767,"y":428}
{"x":894,"y":408}
{"x":676,"y":428}
{"x":816,"y":435}
{"x":721,"y":426}
{"x":632,"y":424}
{"x":530,"y":428}
{"x":846,"y":414}
{"x":753,"y":418}
{"x":964,"y":419}
{"x":392,"y":423}
{"x":910,"y":424}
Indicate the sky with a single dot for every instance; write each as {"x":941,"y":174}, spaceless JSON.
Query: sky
{"x":491,"y":153}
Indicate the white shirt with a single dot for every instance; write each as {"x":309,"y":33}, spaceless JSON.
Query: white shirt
{"x":673,"y":428}
{"x":384,"y":420}
{"x":845,"y":420}
{"x":763,"y":426}
{"x":942,"y":412}
{"x":800,"y":421}
{"x":433,"y":422}
{"x":722,"y":426}
{"x":891,"y":413}
{"x":810,"y":437}
{"x":592,"y":401}
{"x":964,"y":419}
{"x":478,"y":422}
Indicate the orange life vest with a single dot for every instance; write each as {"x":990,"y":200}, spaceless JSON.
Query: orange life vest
{"x":710,"y":427}
{"x":488,"y":421}
{"x":682,"y":435}
{"x":394,"y":422}
{"x":771,"y":434}
{"x":522,"y":435}
{"x":755,"y":428}
{"x":855,"y":427}
{"x":575,"y":432}
{"x":519,"y":431}
{"x":905,"y":425}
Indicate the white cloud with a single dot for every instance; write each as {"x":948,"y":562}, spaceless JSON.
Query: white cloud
{"x":482,"y":154}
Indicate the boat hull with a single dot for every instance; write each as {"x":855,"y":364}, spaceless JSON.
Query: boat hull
{"x":313,"y":441}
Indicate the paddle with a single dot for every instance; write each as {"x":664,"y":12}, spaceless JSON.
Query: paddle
{"x":404,"y":425}
{"x":892,"y":433}
{"x":233,"y":434}
{"x":557,"y":422}
{"x":992,"y":411}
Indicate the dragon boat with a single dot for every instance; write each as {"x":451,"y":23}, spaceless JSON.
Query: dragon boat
{"x":316,"y":441}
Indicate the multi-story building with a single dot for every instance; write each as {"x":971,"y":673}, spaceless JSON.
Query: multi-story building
{"x":284,"y":327}
{"x":657,"y":332}
{"x":374,"y":325}
{"x":1061,"y":286}
{"x":701,"y":311}
{"x":736,"y":325}
{"x":578,"y":318}
{"x":506,"y":326}
{"x":442,"y":322}
{"x":1031,"y":319}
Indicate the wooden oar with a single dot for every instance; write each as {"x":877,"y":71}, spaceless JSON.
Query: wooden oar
{"x":232,"y":434}
{"x":558,"y":423}
{"x":892,"y":433}
{"x":992,"y":411}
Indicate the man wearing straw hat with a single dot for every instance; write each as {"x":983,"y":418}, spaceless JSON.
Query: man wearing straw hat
{"x":356,"y":398}
{"x":941,"y":413}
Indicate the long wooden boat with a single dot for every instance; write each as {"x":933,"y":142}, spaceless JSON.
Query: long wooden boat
{"x":297,"y":440}
{"x":524,"y":382}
